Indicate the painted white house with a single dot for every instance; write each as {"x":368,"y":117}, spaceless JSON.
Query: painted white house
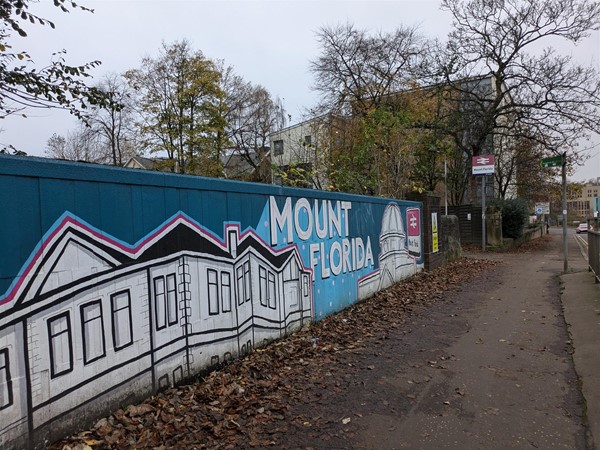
{"x":92,"y":322}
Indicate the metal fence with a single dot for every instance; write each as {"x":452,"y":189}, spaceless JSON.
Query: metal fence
{"x":594,"y":247}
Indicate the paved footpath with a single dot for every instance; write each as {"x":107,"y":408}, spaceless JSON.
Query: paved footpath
{"x":494,"y":366}
{"x":507,"y":380}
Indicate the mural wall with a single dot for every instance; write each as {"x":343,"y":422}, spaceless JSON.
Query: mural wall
{"x":115,"y":283}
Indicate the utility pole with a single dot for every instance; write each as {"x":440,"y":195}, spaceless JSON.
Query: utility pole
{"x":555,"y":161}
{"x":564,"y":211}
{"x":446,"y":183}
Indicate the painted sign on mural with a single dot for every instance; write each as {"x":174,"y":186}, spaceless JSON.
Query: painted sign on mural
{"x":122,"y":286}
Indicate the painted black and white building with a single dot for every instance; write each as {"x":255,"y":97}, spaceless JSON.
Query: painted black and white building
{"x":92,"y":322}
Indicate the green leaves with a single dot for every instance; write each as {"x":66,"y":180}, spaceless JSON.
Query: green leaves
{"x":58,"y":85}
{"x":179,"y":100}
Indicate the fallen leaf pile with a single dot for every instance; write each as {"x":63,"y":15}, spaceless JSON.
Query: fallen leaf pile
{"x":529,"y":246}
{"x":246,"y":403}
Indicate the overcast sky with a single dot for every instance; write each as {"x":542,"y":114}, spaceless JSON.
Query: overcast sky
{"x":267,"y":42}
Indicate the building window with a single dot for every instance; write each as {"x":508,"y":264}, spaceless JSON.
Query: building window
{"x":6,"y":394}
{"x":262,"y":283}
{"x":61,"y":344}
{"x":92,"y":331}
{"x":213,"y":292}
{"x":226,"y":291}
{"x":165,"y":301}
{"x":277,"y":147}
{"x":122,"y":326}
{"x":307,"y":140}
{"x":272,"y":303}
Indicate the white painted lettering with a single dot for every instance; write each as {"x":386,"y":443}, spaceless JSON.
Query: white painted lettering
{"x":335,"y":261}
{"x":369,"y":253}
{"x":335,"y":219}
{"x":360,"y":253}
{"x":303,"y":233}
{"x":324,"y":269}
{"x":346,"y":206}
{"x":321,"y":232}
{"x":314,"y":260}
{"x":346,"y":255}
{"x":280,"y":220}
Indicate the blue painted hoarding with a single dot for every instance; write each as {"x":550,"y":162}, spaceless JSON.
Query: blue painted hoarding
{"x":113,"y":276}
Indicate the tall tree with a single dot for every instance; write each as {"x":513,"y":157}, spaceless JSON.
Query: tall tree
{"x":113,"y":123}
{"x":251,"y":114}
{"x":507,"y":86}
{"x":81,"y":145}
{"x":22,"y":85}
{"x":358,"y":75}
{"x":179,"y":97}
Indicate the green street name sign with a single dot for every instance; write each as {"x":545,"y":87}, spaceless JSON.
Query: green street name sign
{"x":555,"y":161}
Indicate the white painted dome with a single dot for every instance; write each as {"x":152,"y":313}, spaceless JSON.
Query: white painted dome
{"x":392,"y":220}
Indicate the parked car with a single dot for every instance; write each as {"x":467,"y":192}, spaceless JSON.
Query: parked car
{"x":582,"y":228}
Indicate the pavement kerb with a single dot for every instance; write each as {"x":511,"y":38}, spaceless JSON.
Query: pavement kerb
{"x":581,"y":305}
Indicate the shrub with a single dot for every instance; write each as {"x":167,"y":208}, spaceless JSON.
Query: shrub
{"x":515,"y":215}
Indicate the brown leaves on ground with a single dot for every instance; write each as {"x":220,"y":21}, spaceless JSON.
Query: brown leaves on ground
{"x":534,"y":245}
{"x":248,"y":402}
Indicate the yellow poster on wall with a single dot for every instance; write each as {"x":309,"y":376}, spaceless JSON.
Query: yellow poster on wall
{"x":434,"y":233}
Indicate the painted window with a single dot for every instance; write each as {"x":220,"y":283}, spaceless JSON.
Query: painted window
{"x":305,"y":285}
{"x":165,"y":300}
{"x":61,"y":344}
{"x":213,"y":292}
{"x":247,"y":285}
{"x":272,"y":303}
{"x":6,"y":395}
{"x":172,"y":298}
{"x":262,"y":283}
{"x":240,"y":284}
{"x":122,"y":327}
{"x":92,"y":331}
{"x":159,"y":303}
{"x":226,"y":291}
{"x":244,"y":287}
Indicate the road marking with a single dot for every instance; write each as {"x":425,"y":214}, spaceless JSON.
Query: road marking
{"x":582,"y":243}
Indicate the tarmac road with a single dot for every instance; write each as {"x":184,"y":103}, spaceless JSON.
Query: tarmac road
{"x":488,"y":367}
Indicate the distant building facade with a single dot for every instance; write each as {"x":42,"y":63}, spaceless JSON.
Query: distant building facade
{"x":585,"y":203}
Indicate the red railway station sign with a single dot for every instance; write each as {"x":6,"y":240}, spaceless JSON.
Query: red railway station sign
{"x":483,"y":164}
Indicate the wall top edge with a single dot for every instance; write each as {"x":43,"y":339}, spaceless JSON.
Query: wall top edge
{"x":37,"y":167}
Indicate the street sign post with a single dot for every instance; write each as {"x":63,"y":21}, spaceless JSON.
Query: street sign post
{"x":483,"y":165}
{"x":561,"y":161}
{"x":542,"y":208}
{"x":555,"y":161}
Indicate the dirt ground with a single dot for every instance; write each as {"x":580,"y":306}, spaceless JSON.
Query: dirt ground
{"x":472,"y":356}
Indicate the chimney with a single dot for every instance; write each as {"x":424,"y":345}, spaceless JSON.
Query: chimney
{"x":232,"y":240}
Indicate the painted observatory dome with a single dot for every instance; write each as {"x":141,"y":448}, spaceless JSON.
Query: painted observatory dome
{"x":392,"y":237}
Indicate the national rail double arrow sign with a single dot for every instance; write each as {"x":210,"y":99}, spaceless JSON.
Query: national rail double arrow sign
{"x":483,"y":164}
